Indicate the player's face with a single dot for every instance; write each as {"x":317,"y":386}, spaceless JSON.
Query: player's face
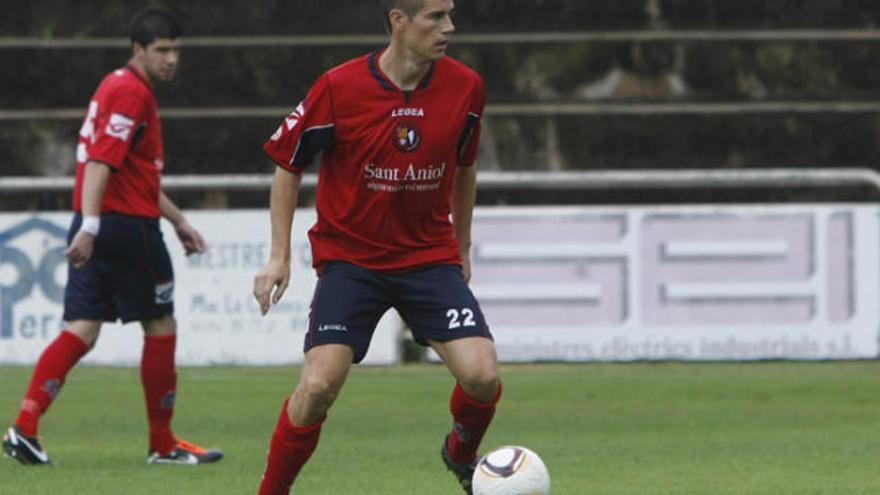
{"x":160,"y":59}
{"x":427,"y":33}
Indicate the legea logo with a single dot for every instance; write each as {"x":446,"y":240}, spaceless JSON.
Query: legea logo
{"x":30,"y":255}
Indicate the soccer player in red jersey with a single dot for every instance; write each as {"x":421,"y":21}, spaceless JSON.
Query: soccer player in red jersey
{"x":119,"y":267}
{"x":399,"y":131}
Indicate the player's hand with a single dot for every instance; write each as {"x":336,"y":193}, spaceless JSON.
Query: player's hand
{"x":466,"y":267}
{"x":275,"y":274}
{"x":190,"y":238}
{"x":81,"y":248}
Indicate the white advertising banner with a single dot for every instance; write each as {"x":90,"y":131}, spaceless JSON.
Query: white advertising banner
{"x":561,"y":284}
{"x":684,"y":282}
{"x":218,"y":320}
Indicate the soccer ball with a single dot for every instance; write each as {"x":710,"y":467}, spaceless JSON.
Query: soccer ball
{"x":511,"y":470}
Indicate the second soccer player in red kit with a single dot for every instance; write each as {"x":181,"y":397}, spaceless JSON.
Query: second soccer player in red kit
{"x":119,"y":266}
{"x":398,"y":131}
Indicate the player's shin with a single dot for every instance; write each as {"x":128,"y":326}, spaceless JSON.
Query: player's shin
{"x":48,"y":378}
{"x":471,"y":419}
{"x":159,"y":377}
{"x":291,"y":448}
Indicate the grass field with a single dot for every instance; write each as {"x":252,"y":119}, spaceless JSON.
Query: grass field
{"x":708,"y":429}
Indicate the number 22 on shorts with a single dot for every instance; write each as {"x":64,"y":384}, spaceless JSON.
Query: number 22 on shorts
{"x":463,"y":318}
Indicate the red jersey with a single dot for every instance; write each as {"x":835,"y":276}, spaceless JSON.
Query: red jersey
{"x":122,"y":130}
{"x":389,"y":158}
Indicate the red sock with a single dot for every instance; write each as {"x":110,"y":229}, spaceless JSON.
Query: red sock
{"x":49,"y":375}
{"x":159,"y":378}
{"x":291,"y":447}
{"x":471,"y":420}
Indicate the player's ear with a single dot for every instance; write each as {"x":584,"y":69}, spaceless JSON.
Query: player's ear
{"x":397,"y":18}
{"x":137,"y":48}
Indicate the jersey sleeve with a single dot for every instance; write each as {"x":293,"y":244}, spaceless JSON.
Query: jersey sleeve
{"x":115,"y":128}
{"x":470,"y":135}
{"x":307,"y":130}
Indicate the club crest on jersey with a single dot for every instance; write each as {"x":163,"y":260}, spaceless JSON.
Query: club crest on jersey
{"x":406,"y":137}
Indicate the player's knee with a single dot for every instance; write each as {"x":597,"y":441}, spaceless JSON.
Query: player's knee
{"x":90,"y":340}
{"x":482,"y":383}
{"x":164,"y":325}
{"x":319,"y":391}
{"x":87,"y":331}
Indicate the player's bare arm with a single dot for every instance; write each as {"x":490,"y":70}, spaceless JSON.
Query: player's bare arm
{"x":275,"y":274}
{"x":95,"y":183}
{"x":190,"y":238}
{"x":464,"y":194}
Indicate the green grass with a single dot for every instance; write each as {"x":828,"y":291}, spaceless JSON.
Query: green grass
{"x":707,"y":429}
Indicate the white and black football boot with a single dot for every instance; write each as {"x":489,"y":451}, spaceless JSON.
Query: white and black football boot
{"x":24,"y":449}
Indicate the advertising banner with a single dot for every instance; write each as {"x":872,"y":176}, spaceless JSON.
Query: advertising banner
{"x":712,"y":283}
{"x":683,"y":282}
{"x":219,"y":321}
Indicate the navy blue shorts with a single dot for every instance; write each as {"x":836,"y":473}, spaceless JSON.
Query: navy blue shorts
{"x":434,"y":301}
{"x":129,"y":276}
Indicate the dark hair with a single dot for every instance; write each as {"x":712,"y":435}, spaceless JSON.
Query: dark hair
{"x":409,"y":7}
{"x":152,"y":23}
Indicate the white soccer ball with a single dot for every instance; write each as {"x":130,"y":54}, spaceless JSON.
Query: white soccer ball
{"x":511,"y":470}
